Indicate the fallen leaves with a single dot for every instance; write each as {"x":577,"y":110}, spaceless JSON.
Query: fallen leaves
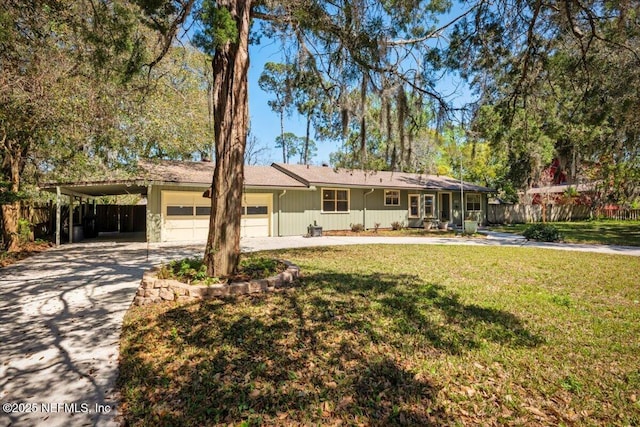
{"x":367,"y":343}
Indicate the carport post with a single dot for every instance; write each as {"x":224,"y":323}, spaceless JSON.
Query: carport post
{"x":58,"y":213}
{"x":70,"y":219}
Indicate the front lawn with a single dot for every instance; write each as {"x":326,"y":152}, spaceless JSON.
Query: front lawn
{"x":605,"y":232}
{"x":399,"y":335}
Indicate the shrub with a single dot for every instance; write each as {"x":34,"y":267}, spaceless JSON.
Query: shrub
{"x":542,"y":233}
{"x":397,"y":225}
{"x":186,"y":270}
{"x":376,"y":226}
{"x":357,"y":228}
{"x":24,"y":230}
{"x":194,"y":271}
{"x":260,"y":267}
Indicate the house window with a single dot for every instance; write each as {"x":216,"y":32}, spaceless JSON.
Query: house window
{"x":414,"y":205}
{"x":335,"y":200}
{"x":392,"y":198}
{"x":179,"y":210}
{"x":203,"y":210}
{"x":255,"y":210}
{"x":429,"y":205}
{"x":474,"y":203}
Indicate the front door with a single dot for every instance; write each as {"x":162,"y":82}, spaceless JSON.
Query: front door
{"x":445,"y":207}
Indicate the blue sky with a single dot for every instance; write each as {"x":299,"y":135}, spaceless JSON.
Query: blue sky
{"x":265,"y":124}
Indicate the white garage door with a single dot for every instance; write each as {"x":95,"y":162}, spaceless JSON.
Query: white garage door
{"x":186,"y":216}
{"x":256,"y":215}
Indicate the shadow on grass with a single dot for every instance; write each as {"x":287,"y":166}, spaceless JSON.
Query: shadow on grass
{"x":426,"y":311}
{"x":339,"y":347}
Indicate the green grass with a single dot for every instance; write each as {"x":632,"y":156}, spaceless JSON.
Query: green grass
{"x":626,"y":233}
{"x":399,"y":335}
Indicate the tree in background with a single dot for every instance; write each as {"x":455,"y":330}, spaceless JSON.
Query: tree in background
{"x":56,"y":94}
{"x":169,"y":117}
{"x":74,"y":105}
{"x":278,"y":79}
{"x":255,"y":154}
{"x":297,"y":146}
{"x":308,"y":97}
{"x":560,"y":84}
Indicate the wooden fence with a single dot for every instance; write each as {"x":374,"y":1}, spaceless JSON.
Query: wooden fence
{"x":620,"y":214}
{"x":108,"y":218}
{"x":41,"y":217}
{"x":520,"y":214}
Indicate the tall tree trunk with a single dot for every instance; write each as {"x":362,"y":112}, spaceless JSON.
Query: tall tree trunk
{"x":285,"y":151}
{"x":387,"y":112}
{"x":10,"y":217}
{"x":363,"y":120}
{"x":306,"y":140}
{"x":231,"y":111}
{"x":402,"y":114}
{"x":11,"y":210}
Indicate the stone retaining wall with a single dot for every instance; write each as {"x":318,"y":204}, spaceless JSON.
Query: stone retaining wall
{"x":154,"y":290}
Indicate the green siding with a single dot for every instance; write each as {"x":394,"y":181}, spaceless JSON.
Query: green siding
{"x":295,"y":210}
{"x":299,"y":209}
{"x":457,"y":219}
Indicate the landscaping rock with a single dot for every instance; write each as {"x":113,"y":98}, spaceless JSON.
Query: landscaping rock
{"x":167,"y":294}
{"x":151,"y":293}
{"x":152,"y":289}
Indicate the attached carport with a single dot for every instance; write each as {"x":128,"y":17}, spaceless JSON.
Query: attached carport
{"x":85,"y":194}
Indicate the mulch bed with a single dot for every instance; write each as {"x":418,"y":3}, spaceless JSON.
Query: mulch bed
{"x":27,"y":250}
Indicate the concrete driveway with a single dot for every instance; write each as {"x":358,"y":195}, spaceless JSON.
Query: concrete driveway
{"x":492,"y":239}
{"x":61,"y":314}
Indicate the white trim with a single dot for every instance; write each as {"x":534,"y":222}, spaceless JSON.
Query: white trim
{"x":336,"y":189}
{"x":416,"y":195}
{"x":434,"y":210}
{"x":466,"y":204}
{"x":385,"y":197}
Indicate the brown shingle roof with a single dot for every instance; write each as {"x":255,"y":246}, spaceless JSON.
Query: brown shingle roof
{"x":202,"y":173}
{"x":319,"y":175}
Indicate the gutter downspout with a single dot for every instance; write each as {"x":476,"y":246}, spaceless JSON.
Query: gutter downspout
{"x":280,"y":210}
{"x":364,"y":212}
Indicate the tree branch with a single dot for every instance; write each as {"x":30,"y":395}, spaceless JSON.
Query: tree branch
{"x":435,"y":33}
{"x":181,"y":17}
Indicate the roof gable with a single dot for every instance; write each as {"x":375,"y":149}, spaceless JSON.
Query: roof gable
{"x":202,"y":173}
